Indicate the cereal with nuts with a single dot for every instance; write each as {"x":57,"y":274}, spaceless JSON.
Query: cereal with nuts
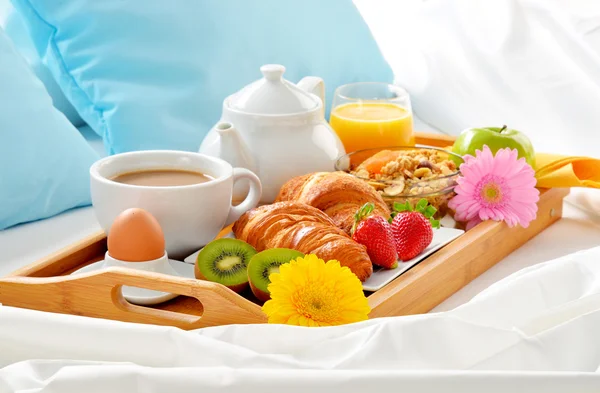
{"x":388,"y":165}
{"x":406,"y":173}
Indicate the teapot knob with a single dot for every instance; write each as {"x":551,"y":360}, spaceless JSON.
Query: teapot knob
{"x":272,"y":72}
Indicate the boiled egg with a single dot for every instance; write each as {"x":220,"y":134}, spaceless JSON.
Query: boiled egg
{"x":136,"y":236}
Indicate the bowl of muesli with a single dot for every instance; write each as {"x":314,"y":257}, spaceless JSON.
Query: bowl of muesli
{"x":401,"y":173}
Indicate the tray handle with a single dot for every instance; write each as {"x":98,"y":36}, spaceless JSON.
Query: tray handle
{"x":98,"y":294}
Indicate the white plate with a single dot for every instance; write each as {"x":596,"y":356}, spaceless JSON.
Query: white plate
{"x":381,"y":277}
{"x":141,"y":296}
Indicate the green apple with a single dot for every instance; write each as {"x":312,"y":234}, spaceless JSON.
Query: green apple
{"x":495,"y":138}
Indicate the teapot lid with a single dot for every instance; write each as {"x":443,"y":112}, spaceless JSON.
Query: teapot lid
{"x":273,"y":95}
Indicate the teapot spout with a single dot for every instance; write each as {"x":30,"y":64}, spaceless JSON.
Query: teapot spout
{"x":233,"y":148}
{"x":225,"y":128}
{"x":316,"y":86}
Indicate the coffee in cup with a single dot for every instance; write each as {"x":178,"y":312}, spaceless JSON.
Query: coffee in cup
{"x":162,"y":178}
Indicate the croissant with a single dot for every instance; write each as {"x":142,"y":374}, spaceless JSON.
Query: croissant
{"x":303,"y":228}
{"x":338,"y":194}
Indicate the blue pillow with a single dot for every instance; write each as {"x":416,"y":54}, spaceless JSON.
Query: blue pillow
{"x":44,"y":160}
{"x":153,"y":74}
{"x":15,"y":29}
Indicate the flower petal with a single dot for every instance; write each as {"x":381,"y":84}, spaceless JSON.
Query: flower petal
{"x":471,"y":224}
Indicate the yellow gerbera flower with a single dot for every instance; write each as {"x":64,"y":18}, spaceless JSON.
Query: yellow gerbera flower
{"x":309,"y":292}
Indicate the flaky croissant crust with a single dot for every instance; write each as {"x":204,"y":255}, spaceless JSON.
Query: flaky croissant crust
{"x":304,"y":228}
{"x":338,"y":194}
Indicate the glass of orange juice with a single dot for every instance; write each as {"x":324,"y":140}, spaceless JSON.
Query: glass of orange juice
{"x":368,"y":115}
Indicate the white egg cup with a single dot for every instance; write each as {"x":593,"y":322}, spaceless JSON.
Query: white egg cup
{"x":142,"y":296}
{"x":160,"y":265}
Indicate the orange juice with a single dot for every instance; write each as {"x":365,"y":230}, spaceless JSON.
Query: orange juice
{"x":366,"y":125}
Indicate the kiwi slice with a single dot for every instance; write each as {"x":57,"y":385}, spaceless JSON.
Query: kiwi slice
{"x":225,"y":261}
{"x":263,"y":264}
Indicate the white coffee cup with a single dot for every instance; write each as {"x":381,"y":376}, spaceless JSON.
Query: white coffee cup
{"x":190,"y":215}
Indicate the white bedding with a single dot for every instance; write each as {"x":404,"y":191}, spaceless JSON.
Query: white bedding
{"x":533,"y":65}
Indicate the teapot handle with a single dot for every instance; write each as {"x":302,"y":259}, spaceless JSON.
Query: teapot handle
{"x":316,"y":86}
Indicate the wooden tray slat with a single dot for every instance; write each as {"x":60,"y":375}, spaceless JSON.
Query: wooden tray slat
{"x":46,"y":286}
{"x":68,"y":259}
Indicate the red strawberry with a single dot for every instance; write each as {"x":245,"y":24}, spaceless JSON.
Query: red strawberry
{"x":375,"y":233}
{"x":412,"y":230}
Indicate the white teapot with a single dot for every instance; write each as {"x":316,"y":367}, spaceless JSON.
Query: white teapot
{"x":276,"y":129}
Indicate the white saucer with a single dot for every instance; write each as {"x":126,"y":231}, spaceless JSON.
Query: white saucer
{"x":141,"y":296}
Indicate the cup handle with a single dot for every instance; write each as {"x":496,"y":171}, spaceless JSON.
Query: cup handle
{"x":252,"y":198}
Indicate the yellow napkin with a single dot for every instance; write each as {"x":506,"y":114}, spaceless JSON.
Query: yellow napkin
{"x":554,"y":170}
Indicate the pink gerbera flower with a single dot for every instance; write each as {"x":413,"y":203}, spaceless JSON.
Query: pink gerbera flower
{"x":500,"y":188}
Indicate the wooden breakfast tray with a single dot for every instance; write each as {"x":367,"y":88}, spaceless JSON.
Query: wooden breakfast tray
{"x":46,"y":285}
